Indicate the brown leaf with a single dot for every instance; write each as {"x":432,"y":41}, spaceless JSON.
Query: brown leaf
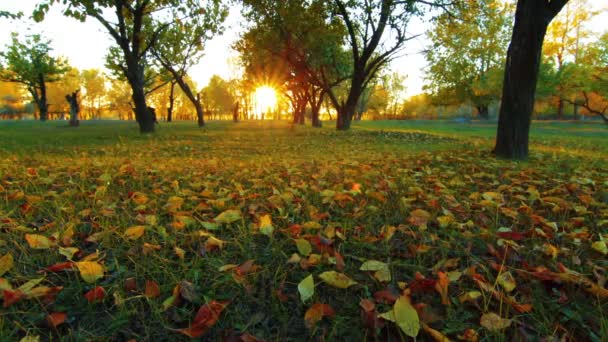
{"x":152,"y":289}
{"x":56,"y":318}
{"x":316,"y":313}
{"x":95,"y":295}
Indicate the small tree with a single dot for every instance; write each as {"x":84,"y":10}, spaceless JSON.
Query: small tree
{"x":29,"y":63}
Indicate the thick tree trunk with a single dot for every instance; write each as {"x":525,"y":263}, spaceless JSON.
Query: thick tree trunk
{"x":521,"y":74}
{"x":235,"y":112}
{"x":43,"y":107}
{"x":560,"y":109}
{"x":347,"y":111}
{"x":135,"y":76}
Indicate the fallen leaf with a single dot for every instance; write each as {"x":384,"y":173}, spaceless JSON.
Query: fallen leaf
{"x":442,"y":288}
{"x":506,"y":280}
{"x":373,"y":265}
{"x":493,"y":322}
{"x":90,"y":271}
{"x":419,"y":218}
{"x":228,"y":216}
{"x":55,"y":319}
{"x":95,"y":295}
{"x":599,"y":246}
{"x":38,"y":241}
{"x":12,"y":297}
{"x":205,"y":318}
{"x":405,"y":316}
{"x":306,"y":288}
{"x":152,"y":289}
{"x":266,"y":226}
{"x":304,"y":247}
{"x":6,"y":263}
{"x":336,"y":279}
{"x":316,"y":313}
{"x":135,"y":232}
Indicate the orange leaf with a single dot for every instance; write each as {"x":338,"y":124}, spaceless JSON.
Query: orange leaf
{"x":56,"y":318}
{"x":96,"y":294}
{"x":442,"y":287}
{"x":152,"y":289}
{"x":316,"y":313}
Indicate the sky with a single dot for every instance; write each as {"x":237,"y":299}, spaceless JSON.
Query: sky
{"x":85,"y":44}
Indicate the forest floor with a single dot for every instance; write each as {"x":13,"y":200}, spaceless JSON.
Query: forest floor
{"x":259,"y":230}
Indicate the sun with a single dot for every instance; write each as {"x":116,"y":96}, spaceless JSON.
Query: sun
{"x":265,"y":100}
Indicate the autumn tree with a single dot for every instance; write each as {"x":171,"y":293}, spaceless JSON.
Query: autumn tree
{"x":563,"y":43}
{"x":532,"y":17}
{"x":93,"y":82}
{"x":136,"y":27}
{"x":56,"y":91}
{"x":218,"y":96}
{"x":305,"y":42}
{"x":28,"y":62}
{"x":467,"y":50}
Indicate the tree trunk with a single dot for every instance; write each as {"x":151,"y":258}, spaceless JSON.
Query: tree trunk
{"x":171,"y":103}
{"x":484,"y":112}
{"x":43,"y":107}
{"x":521,"y":74}
{"x":74,"y":108}
{"x":135,"y":76}
{"x":315,"y":108}
{"x":560,"y":109}
{"x":347,"y":111}
{"x":235,"y":112}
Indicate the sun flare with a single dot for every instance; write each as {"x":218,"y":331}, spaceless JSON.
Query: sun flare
{"x":265,"y":100}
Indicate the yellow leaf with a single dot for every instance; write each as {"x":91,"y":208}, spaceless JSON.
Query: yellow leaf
{"x":304,"y":247}
{"x":550,"y":250}
{"x":406,"y":317}
{"x":383,"y":275}
{"x":135,"y":232}
{"x":493,"y":322}
{"x":419,"y":218}
{"x":336,"y":279}
{"x":599,"y":246}
{"x":6,"y":263}
{"x":213,"y":243}
{"x":5,"y":285}
{"x":90,"y":271}
{"x":27,"y":287}
{"x":30,"y":338}
{"x":228,"y":216}
{"x":445,"y":221}
{"x":373,"y":265}
{"x":68,"y":252}
{"x":507,"y":281}
{"x":306,"y":288}
{"x":266,"y":227}
{"x":469,"y":296}
{"x":38,"y":241}
{"x":180,"y":252}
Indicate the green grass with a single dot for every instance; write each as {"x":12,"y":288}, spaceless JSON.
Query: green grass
{"x":55,"y":179}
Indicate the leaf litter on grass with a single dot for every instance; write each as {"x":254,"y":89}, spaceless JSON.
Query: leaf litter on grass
{"x":451,"y":243}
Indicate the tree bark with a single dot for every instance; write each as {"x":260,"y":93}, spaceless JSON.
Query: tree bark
{"x":74,"y":108}
{"x":532,"y":18}
{"x":43,"y":107}
{"x":135,"y":76}
{"x":560,"y":109}
{"x":171,"y":102}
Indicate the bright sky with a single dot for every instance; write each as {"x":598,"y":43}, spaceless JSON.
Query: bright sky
{"x":85,"y":44}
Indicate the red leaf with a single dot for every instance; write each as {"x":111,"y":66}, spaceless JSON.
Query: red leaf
{"x":96,"y":294}
{"x":12,"y":297}
{"x":386,"y":296}
{"x":62,"y":266}
{"x":205,"y":318}
{"x":56,"y":318}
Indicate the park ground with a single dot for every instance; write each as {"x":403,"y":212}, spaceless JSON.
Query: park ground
{"x":264,"y":230}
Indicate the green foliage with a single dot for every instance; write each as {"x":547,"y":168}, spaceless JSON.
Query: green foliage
{"x":217,"y":96}
{"x":467,"y":52}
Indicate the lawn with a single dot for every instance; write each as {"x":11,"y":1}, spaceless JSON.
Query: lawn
{"x":264,"y":231}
